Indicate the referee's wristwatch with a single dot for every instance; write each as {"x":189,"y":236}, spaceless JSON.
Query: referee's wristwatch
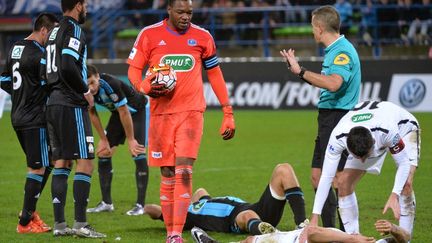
{"x":301,"y":74}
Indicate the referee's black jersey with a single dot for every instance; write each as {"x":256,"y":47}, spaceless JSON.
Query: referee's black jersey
{"x":21,"y":78}
{"x":66,"y":70}
{"x":114,"y":93}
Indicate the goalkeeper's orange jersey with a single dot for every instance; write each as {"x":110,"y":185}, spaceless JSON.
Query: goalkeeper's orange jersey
{"x":187,"y":52}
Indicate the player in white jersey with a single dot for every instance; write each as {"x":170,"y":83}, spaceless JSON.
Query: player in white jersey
{"x":368,"y":132}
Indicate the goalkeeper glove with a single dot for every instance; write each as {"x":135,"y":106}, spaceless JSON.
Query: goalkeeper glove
{"x":227,"y":129}
{"x":152,"y":90}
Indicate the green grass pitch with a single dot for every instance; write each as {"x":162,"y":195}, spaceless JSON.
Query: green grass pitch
{"x":239,"y":167}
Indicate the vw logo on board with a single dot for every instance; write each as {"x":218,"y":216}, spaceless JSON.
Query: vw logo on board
{"x":412,"y":93}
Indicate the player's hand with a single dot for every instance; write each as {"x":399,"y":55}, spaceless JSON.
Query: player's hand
{"x":103,"y":149}
{"x":393,"y":203}
{"x":291,"y":60}
{"x":90,"y":99}
{"x":157,"y":90}
{"x":227,"y":129}
{"x":135,"y":148}
{"x":384,"y":227}
{"x":362,"y":239}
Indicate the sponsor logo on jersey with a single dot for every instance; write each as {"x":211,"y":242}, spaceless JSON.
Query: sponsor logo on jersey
{"x":197,"y":206}
{"x":132,"y":53}
{"x":362,"y":117}
{"x":53,"y":33}
{"x":331,"y":148}
{"x":191,"y":42}
{"x":341,"y":59}
{"x":17,"y":52}
{"x":156,"y":155}
{"x":412,"y":93}
{"x":179,"y":62}
{"x":74,"y":44}
{"x":162,"y":43}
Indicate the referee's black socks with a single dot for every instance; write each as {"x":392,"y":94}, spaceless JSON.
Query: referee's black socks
{"x":295,"y":198}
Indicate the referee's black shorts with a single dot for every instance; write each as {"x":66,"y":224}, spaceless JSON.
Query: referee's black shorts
{"x":115,"y":131}
{"x":70,"y":133}
{"x":327,"y":121}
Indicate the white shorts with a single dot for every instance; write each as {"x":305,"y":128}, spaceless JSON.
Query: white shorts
{"x":412,"y":143}
{"x":282,"y":237}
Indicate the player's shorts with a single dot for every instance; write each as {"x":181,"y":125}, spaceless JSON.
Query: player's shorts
{"x":412,"y":143}
{"x":279,"y":237}
{"x":70,"y":133}
{"x":174,"y":135}
{"x":115,"y":131}
{"x":34,"y":143}
{"x":327,"y":121}
{"x":269,"y":208}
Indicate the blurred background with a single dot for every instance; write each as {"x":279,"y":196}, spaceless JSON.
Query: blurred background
{"x":243,"y":28}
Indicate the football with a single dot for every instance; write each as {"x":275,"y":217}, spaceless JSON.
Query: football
{"x":165,"y":75}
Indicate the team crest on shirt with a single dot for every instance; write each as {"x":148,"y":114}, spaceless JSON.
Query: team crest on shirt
{"x":197,"y":206}
{"x":132,"y":53}
{"x":179,"y":62}
{"x":191,"y":42}
{"x":114,"y":97}
{"x":341,"y":59}
{"x":17,"y":52}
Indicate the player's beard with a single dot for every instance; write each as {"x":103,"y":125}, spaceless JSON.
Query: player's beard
{"x":82,"y":17}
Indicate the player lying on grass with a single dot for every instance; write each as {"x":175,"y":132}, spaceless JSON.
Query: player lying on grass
{"x":315,"y":234}
{"x":233,"y":215}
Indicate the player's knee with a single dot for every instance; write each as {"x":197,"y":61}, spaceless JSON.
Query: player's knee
{"x":38,"y":171}
{"x":283,"y":169}
{"x":167,"y":171}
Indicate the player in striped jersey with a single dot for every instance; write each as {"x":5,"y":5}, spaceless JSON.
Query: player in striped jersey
{"x":368,"y":132}
{"x":22,"y":79}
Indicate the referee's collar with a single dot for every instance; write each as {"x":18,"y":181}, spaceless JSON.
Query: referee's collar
{"x":334,"y":42}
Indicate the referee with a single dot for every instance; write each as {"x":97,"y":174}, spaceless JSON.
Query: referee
{"x":339,"y":82}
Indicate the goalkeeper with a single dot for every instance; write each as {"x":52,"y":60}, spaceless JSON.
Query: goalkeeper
{"x":233,"y":215}
{"x":127,"y":109}
{"x":176,"y":118}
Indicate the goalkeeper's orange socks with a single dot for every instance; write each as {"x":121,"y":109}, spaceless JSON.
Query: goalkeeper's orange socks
{"x":167,"y":201}
{"x":182,"y":196}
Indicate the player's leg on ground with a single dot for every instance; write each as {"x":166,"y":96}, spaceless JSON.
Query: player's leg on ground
{"x":59,"y":188}
{"x":182,"y":192}
{"x":284,"y":184}
{"x":167,"y":196}
{"x":250,"y":221}
{"x":348,"y":206}
{"x":81,"y":191}
{"x":408,"y":204}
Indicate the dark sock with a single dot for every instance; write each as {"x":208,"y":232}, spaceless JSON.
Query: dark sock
{"x":328,"y":214}
{"x":141,"y":177}
{"x":46,"y":176}
{"x":252,"y":226}
{"x":81,"y":191}
{"x":341,"y":225}
{"x":295,"y":198}
{"x":32,"y":191}
{"x":58,"y":192}
{"x":105,"y":178}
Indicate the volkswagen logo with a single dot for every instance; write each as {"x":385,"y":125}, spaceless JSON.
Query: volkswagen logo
{"x":412,"y":93}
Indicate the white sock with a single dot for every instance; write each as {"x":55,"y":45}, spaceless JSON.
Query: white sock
{"x":407,"y":208}
{"x":349,"y":214}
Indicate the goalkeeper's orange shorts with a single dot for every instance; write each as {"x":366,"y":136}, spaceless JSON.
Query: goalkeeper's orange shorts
{"x":174,"y":135}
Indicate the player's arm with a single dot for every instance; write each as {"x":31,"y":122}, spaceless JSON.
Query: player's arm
{"x":103,"y":148}
{"x":331,"y":82}
{"x":126,"y":120}
{"x":399,"y":154}
{"x":217,"y":82}
{"x":330,"y":164}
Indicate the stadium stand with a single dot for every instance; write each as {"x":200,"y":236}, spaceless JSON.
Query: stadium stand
{"x":379,"y":28}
